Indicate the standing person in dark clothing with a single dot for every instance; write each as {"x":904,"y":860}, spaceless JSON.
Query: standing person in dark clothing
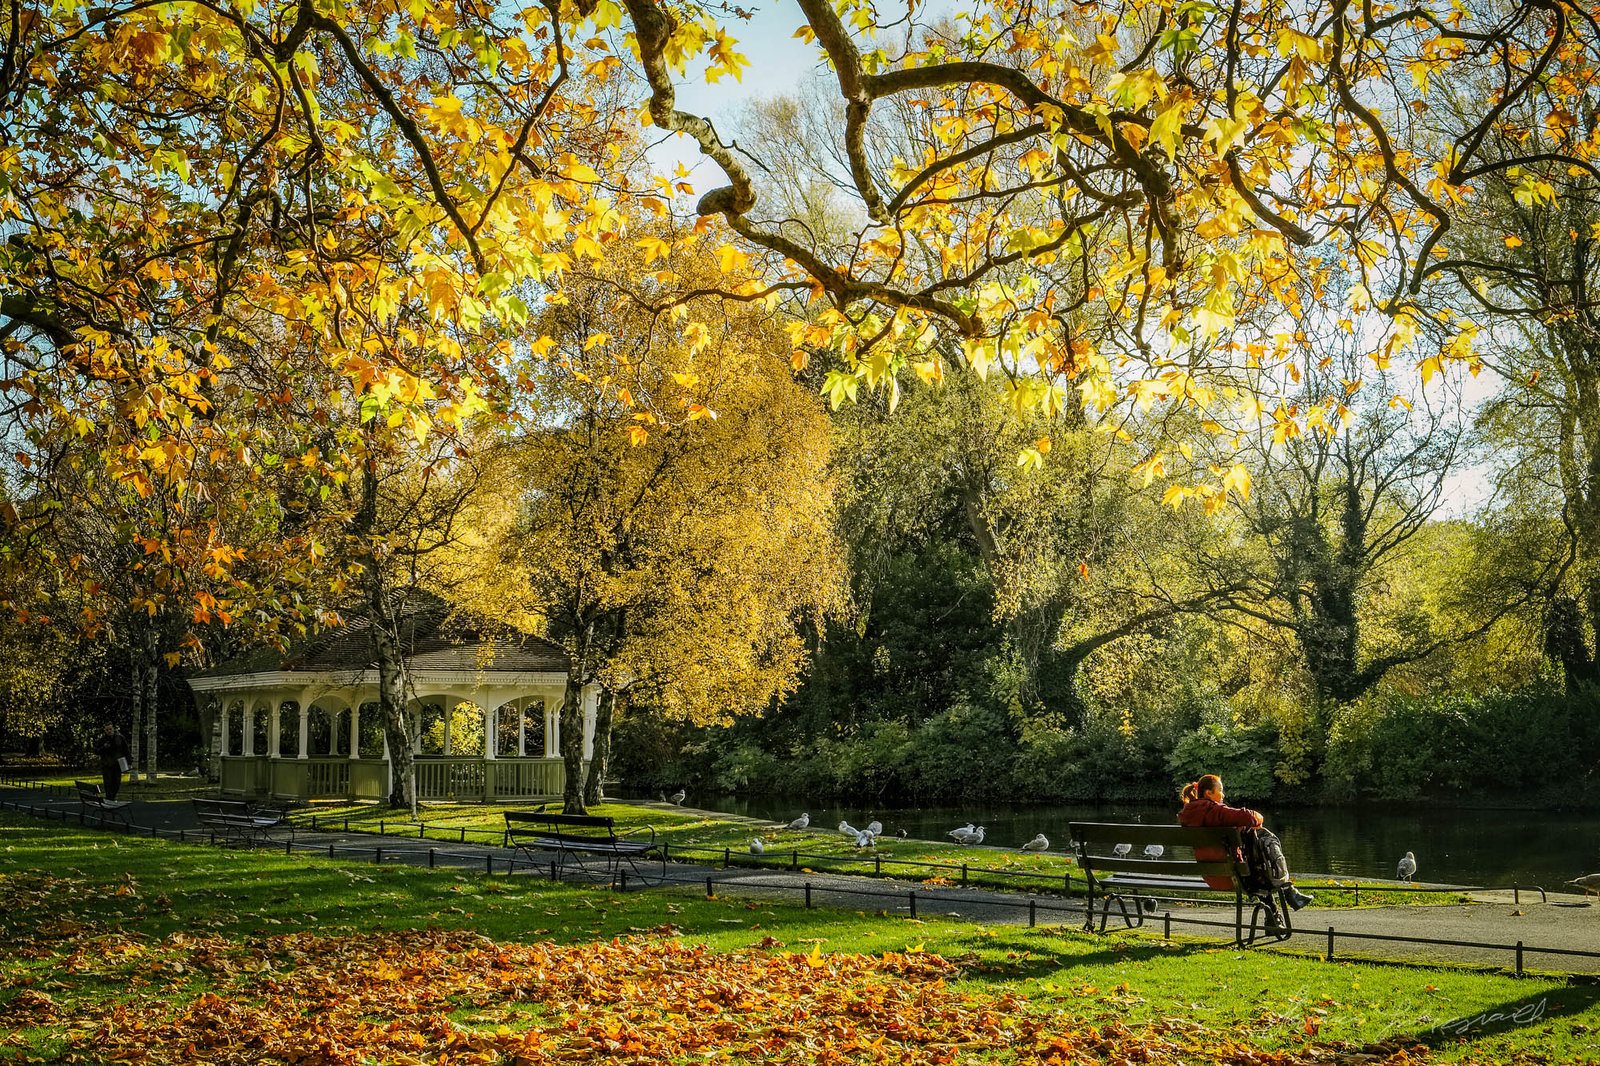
{"x":1203,"y":806}
{"x":113,"y":752}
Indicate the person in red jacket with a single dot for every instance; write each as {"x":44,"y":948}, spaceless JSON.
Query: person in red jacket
{"x":1203,"y":806}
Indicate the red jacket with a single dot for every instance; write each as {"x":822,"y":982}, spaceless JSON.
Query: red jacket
{"x":1206,"y":813}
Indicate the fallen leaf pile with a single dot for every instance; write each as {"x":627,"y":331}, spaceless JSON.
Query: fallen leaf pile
{"x":449,"y":997}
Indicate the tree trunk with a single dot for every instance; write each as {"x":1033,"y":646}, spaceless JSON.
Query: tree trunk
{"x":594,"y":783}
{"x":151,"y":681}
{"x":136,"y":733}
{"x":396,"y":723}
{"x":572,"y":738}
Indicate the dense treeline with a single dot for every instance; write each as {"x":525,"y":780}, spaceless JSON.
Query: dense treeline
{"x":1179,"y":645}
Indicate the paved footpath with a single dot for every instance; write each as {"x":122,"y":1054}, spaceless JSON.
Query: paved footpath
{"x":1492,"y":919}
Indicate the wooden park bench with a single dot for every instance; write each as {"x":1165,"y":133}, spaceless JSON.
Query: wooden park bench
{"x":238,"y":820}
{"x":1133,"y":878}
{"x":91,"y":797}
{"x":542,"y":837}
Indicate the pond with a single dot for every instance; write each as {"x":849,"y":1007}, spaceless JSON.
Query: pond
{"x":1452,"y":845}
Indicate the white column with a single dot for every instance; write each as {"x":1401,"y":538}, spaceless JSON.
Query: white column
{"x":355,"y":731}
{"x":274,"y":728}
{"x":249,"y":726}
{"x":305,"y":731}
{"x":552,"y":730}
{"x":491,"y":732}
{"x":449,"y":713}
{"x":227,"y":710}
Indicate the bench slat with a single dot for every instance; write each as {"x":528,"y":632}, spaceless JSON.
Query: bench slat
{"x":1160,"y":866}
{"x":1180,"y":836}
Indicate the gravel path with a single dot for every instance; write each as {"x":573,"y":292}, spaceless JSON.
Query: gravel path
{"x":1492,"y":919}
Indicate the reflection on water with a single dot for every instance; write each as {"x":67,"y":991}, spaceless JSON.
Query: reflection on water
{"x":1478,"y":847}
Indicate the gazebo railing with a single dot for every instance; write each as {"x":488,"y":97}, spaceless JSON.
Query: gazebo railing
{"x":457,"y":778}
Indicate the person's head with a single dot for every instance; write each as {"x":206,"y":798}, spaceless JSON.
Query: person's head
{"x":1208,"y":787}
{"x":109,"y":728}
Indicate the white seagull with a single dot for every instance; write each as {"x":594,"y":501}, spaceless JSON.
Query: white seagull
{"x":1122,"y":851}
{"x":960,"y":835}
{"x":865,"y":839}
{"x":801,"y":822}
{"x":1038,"y":843}
{"x":968,"y":836}
{"x":1588,"y":882}
{"x":1407,"y":870}
{"x":1154,"y":851}
{"x":875,"y":827}
{"x":678,"y":797}
{"x":847,"y":829}
{"x":758,"y":846}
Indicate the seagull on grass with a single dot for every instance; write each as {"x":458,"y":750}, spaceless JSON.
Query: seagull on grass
{"x":875,"y":827}
{"x":865,"y":839}
{"x":1038,"y":843}
{"x":1407,"y":870}
{"x":960,"y":835}
{"x":678,"y":797}
{"x":801,"y":822}
{"x":847,"y":829}
{"x":758,"y":846}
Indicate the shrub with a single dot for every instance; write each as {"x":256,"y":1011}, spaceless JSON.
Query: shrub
{"x":1244,"y":756}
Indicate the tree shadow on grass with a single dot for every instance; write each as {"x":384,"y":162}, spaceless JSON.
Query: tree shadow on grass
{"x":1532,"y":1013}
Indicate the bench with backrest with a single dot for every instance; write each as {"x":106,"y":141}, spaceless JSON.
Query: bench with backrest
{"x":92,"y":797}
{"x":239,"y":820}
{"x":537,"y":834}
{"x":1134,"y":878}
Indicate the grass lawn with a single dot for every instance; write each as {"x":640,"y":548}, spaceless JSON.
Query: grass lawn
{"x":699,"y":837}
{"x":114,"y":948}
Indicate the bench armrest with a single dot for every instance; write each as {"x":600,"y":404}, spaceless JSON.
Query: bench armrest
{"x":652,"y":830}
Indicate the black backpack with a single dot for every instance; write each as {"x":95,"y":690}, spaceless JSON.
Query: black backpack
{"x":1264,"y":857}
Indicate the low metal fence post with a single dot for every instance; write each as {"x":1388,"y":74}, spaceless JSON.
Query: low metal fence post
{"x":1330,"y":943}
{"x":710,"y":894}
{"x":1033,"y":912}
{"x":377,"y":856}
{"x":913,"y":895}
{"x":1519,"y":958}
{"x":1166,"y":925}
{"x":433,"y":857}
{"x":808,"y":895}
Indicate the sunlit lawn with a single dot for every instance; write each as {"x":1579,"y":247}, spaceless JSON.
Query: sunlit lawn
{"x":97,"y":922}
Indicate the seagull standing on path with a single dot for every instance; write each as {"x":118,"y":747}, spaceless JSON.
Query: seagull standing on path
{"x":1038,"y":843}
{"x":678,"y":797}
{"x":801,"y":822}
{"x":1407,"y":869}
{"x":758,"y":846}
{"x":1588,"y":882}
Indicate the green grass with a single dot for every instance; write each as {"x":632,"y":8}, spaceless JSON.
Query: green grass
{"x":697,"y":836}
{"x":146,"y":890}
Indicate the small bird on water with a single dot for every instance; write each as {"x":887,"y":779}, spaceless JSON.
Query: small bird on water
{"x":1407,"y":870}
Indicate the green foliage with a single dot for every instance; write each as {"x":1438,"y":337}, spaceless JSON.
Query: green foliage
{"x":1538,"y":747}
{"x":1243,"y":755}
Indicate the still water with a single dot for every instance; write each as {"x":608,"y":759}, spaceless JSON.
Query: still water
{"x":1452,"y":845}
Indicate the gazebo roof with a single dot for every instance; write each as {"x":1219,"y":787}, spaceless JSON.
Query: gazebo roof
{"x":430,"y":640}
